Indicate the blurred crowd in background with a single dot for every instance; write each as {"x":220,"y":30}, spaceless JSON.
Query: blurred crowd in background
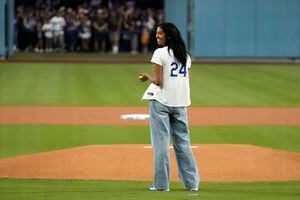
{"x":87,"y":25}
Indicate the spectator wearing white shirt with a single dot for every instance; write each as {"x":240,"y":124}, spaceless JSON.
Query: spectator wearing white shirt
{"x":47,"y":29}
{"x":58,"y":24}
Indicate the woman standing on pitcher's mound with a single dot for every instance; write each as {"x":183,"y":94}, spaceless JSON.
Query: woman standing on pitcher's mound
{"x":169,"y":95}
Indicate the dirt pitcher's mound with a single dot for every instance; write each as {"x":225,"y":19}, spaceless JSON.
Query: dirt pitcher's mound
{"x":134,"y":162}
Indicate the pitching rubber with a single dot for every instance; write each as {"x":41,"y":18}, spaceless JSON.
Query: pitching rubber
{"x":135,"y":117}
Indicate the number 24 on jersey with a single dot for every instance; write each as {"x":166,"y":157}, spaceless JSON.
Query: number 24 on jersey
{"x":177,"y":70}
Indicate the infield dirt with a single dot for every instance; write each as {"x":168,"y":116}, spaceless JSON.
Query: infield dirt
{"x":111,"y":115}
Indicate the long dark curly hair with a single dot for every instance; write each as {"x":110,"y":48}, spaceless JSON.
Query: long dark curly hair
{"x":174,"y":41}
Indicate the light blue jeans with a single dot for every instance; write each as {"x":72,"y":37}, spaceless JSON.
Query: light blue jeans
{"x":168,"y":121}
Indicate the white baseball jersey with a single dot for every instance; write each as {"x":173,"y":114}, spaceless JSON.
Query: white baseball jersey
{"x":58,"y":24}
{"x":175,"y":91}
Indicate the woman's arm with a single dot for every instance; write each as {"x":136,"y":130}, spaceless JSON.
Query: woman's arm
{"x":157,"y":78}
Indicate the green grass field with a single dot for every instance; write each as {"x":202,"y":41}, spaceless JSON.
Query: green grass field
{"x":135,"y":190}
{"x":112,"y":84}
{"x":116,"y":85}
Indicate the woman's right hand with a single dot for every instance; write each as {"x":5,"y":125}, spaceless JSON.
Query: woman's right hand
{"x":143,"y":77}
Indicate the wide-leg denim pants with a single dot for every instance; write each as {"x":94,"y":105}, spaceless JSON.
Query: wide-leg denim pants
{"x":166,"y":122}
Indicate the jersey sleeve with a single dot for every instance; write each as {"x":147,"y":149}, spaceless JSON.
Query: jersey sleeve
{"x":188,"y":62}
{"x":156,"y":57}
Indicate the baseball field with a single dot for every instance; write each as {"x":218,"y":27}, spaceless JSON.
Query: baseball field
{"x":61,"y":136}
